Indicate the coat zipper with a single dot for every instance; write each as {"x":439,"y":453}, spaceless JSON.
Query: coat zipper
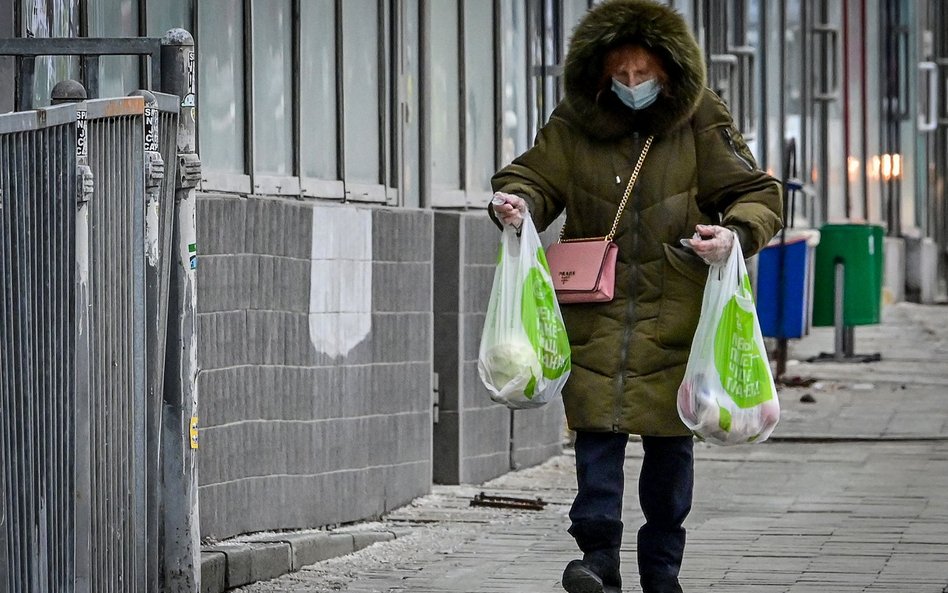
{"x":629,"y":316}
{"x":627,"y":331}
{"x":740,"y":157}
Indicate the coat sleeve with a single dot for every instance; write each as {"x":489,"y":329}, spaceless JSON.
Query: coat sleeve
{"x":540,"y":175}
{"x":730,"y":184}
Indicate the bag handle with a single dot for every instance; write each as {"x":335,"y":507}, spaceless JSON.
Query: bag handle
{"x":625,"y":196}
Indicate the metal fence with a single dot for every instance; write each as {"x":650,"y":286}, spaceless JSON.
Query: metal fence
{"x":89,"y":200}
{"x":117,"y":354}
{"x":37,"y":349}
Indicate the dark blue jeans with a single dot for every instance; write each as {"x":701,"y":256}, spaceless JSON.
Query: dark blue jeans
{"x":666,"y":484}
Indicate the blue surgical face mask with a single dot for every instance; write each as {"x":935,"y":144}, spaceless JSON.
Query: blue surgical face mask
{"x":638,"y":97}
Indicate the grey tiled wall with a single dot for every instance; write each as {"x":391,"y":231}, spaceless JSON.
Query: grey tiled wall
{"x":315,"y":349}
{"x":320,"y":327}
{"x":476,"y":439}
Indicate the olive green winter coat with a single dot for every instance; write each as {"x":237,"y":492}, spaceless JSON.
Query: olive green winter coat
{"x":629,"y":355}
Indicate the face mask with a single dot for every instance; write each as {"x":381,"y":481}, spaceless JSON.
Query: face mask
{"x":638,"y":97}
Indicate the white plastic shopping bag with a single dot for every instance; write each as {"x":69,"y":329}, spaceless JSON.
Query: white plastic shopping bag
{"x":728,"y":395}
{"x":524,"y":357}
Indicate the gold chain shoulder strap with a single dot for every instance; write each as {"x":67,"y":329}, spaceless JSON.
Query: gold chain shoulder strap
{"x":628,"y":189}
{"x":625,"y":197}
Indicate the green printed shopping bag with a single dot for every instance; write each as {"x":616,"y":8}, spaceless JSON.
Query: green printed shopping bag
{"x":728,"y":395}
{"x":524,"y":357}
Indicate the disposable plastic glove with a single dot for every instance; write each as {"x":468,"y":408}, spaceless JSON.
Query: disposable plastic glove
{"x":510,"y":209}
{"x":713,"y":243}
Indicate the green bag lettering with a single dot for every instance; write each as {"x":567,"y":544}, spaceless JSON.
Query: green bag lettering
{"x":743,"y":369}
{"x":544,"y":328}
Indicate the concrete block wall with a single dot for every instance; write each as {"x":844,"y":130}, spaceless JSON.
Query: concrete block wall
{"x":315,"y":336}
{"x":476,"y":439}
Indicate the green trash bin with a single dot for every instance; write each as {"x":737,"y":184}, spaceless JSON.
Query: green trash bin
{"x":860,"y":248}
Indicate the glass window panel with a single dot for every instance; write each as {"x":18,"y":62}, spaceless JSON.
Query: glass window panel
{"x":164,"y":15}
{"x":687,"y":10}
{"x":833,"y":160}
{"x":910,"y":147}
{"x":479,"y":85}
{"x":221,"y":85}
{"x":51,"y":18}
{"x":118,"y":76}
{"x":389,"y":92}
{"x":445,"y":83}
{"x":855,"y":159}
{"x":273,"y":86}
{"x":408,"y":127}
{"x":361,"y":83}
{"x":514,"y":80}
{"x":318,"y":129}
{"x":550,"y":31}
{"x":874,"y":116}
{"x":794,"y":104}
{"x":573,"y":12}
{"x":6,"y":64}
{"x":772,"y":93}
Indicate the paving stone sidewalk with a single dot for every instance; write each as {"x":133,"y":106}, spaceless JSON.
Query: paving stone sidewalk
{"x":849,"y":495}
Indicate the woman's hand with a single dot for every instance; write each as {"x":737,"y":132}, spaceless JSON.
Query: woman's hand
{"x":713,"y":243}
{"x":510,"y":209}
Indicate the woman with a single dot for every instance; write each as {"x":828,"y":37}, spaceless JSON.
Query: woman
{"x":634,"y":79}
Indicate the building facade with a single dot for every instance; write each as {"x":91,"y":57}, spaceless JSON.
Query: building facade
{"x":345,"y":258}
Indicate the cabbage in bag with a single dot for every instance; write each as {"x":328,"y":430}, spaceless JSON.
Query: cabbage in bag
{"x":524,"y":357}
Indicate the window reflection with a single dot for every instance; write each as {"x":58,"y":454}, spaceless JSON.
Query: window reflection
{"x":361,"y":83}
{"x":51,"y":18}
{"x":118,"y":75}
{"x":273,"y":87}
{"x":164,"y":15}
{"x":318,"y":129}
{"x":221,"y":85}
{"x":479,"y":86}
{"x":514,"y":80}
{"x":444,"y":116}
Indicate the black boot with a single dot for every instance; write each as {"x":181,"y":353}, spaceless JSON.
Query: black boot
{"x":597,"y":572}
{"x":654,"y":585}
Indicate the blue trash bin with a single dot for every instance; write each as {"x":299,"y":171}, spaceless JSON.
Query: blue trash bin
{"x":786,"y":311}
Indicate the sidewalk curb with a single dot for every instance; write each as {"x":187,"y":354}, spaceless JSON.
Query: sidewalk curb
{"x":227,"y":565}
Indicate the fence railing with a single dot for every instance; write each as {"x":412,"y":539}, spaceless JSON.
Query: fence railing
{"x":37,"y":348}
{"x":94,"y":288}
{"x":88,"y":50}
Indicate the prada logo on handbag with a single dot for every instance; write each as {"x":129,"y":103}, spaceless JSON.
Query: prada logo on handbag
{"x":565,"y":275}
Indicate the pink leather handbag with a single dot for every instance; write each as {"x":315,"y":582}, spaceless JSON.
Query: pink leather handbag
{"x":584,"y":270}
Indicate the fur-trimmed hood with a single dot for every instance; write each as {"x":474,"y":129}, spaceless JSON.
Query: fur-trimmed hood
{"x":655,"y":26}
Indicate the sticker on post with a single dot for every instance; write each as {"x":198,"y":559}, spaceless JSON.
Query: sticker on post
{"x":193,"y":432}
{"x":82,"y":144}
{"x":188,"y":99}
{"x":192,"y":255}
{"x":151,"y":130}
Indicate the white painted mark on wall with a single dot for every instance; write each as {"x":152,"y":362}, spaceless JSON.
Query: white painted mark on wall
{"x":340,"y":293}
{"x":151,"y":232}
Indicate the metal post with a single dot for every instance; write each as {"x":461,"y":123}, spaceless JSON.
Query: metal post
{"x":70,"y":91}
{"x":181,"y":537}
{"x":155,"y":362}
{"x":839,"y":286}
{"x":26,"y":71}
{"x":844,"y":335}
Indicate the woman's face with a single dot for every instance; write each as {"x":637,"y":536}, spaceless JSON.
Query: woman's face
{"x":633,"y":64}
